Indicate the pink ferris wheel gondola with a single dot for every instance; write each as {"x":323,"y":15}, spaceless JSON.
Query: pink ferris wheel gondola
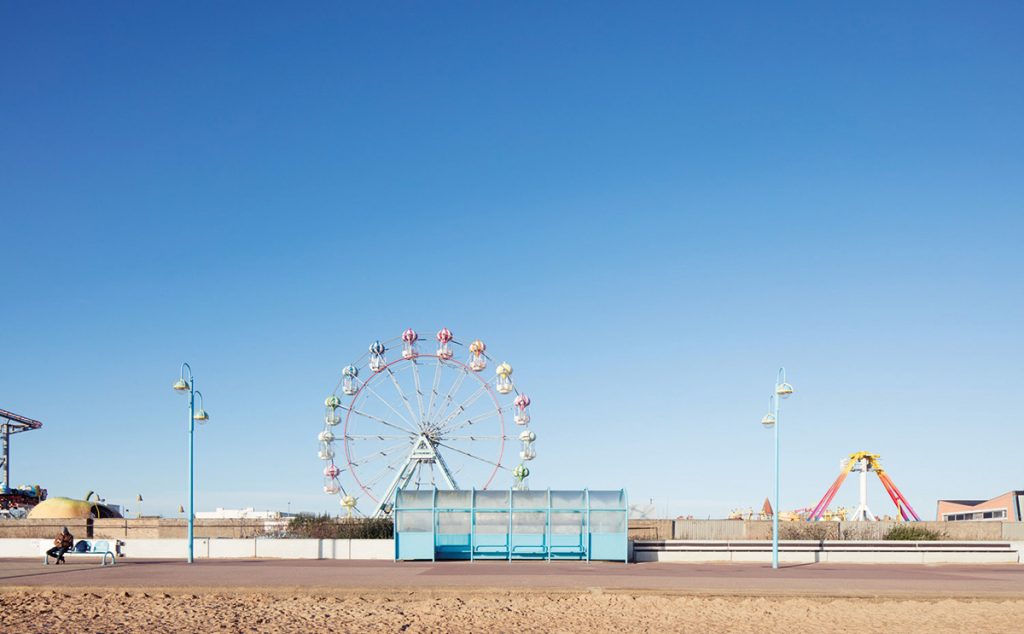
{"x":409,"y":338}
{"x":522,"y":405}
{"x":444,"y":340}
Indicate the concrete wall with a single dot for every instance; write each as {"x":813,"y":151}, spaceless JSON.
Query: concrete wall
{"x":650,"y":529}
{"x":759,"y":529}
{"x":721,"y":529}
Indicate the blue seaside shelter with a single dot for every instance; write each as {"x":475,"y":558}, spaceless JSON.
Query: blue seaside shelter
{"x":543,"y":525}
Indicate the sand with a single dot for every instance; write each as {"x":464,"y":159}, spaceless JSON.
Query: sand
{"x":486,"y":610}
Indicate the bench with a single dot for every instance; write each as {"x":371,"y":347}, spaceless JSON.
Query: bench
{"x":86,"y":547}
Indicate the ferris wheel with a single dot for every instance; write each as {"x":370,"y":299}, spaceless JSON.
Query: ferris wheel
{"x":407,"y":415}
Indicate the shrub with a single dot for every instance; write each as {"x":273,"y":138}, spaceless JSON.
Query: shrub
{"x":808,"y":530}
{"x":909,"y":532}
{"x":308,"y":525}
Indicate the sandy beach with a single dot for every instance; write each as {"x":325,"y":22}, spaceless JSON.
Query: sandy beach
{"x":486,"y":609}
{"x":387,"y":596}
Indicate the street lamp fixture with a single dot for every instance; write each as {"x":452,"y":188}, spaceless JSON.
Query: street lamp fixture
{"x":186,"y":384}
{"x":201,"y":416}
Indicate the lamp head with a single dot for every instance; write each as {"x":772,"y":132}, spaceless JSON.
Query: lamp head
{"x":783,"y":390}
{"x":768,"y":421}
{"x":181,"y":385}
{"x":201,"y":416}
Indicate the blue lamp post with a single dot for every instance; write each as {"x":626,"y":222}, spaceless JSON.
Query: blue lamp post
{"x":771,"y":420}
{"x":188,"y":386}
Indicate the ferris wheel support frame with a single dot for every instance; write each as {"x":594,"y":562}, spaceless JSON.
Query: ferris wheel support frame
{"x":423,"y":452}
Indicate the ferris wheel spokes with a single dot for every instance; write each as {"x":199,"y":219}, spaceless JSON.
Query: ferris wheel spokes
{"x":433,"y":389}
{"x":412,"y":427}
{"x":419,"y":392}
{"x":480,"y":391}
{"x":405,"y":399}
{"x":470,"y":421}
{"x":378,"y":419}
{"x":453,"y":389}
{"x":358,"y":462}
{"x":390,"y":466}
{"x":475,"y":457}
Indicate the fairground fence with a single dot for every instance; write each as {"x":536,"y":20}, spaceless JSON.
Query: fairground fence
{"x":667,"y":529}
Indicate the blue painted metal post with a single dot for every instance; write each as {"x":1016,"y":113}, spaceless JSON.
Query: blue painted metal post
{"x":775,"y":511}
{"x":191,"y":463}
{"x":190,"y":386}
{"x":586,"y":498}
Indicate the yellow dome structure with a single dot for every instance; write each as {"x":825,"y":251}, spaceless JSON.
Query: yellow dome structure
{"x":68,"y":509}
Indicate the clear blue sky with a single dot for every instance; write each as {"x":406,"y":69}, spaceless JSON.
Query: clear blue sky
{"x":645,"y":207}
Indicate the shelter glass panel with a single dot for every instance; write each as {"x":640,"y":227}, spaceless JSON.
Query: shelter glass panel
{"x":414,"y":499}
{"x":607,"y":522}
{"x":529,"y":499}
{"x":454,"y":499}
{"x":492,"y":523}
{"x":607,"y":499}
{"x":448,"y":523}
{"x":492,"y":499}
{"x":567,"y":522}
{"x":567,"y":500}
{"x":415,"y":521}
{"x":533,"y":522}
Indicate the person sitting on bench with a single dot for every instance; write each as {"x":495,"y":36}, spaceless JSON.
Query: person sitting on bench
{"x":61,"y":544}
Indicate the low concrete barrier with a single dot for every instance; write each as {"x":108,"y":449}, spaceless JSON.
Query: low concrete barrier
{"x":165,"y":548}
{"x":203,"y":548}
{"x":812,"y":551}
{"x":230,"y":548}
{"x":371,"y":548}
{"x":695,"y":551}
{"x":288,"y":549}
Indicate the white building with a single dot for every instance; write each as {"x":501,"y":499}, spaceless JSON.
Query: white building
{"x":239,"y":514}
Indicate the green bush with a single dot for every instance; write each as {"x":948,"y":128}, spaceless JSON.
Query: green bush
{"x":308,"y":525}
{"x":909,"y":532}
{"x":808,"y":530}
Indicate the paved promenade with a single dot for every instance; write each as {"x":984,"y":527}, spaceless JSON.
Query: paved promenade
{"x":342,"y":576}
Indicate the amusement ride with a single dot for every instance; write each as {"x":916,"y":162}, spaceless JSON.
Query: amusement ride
{"x":863,"y":462}
{"x":409,"y":414}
